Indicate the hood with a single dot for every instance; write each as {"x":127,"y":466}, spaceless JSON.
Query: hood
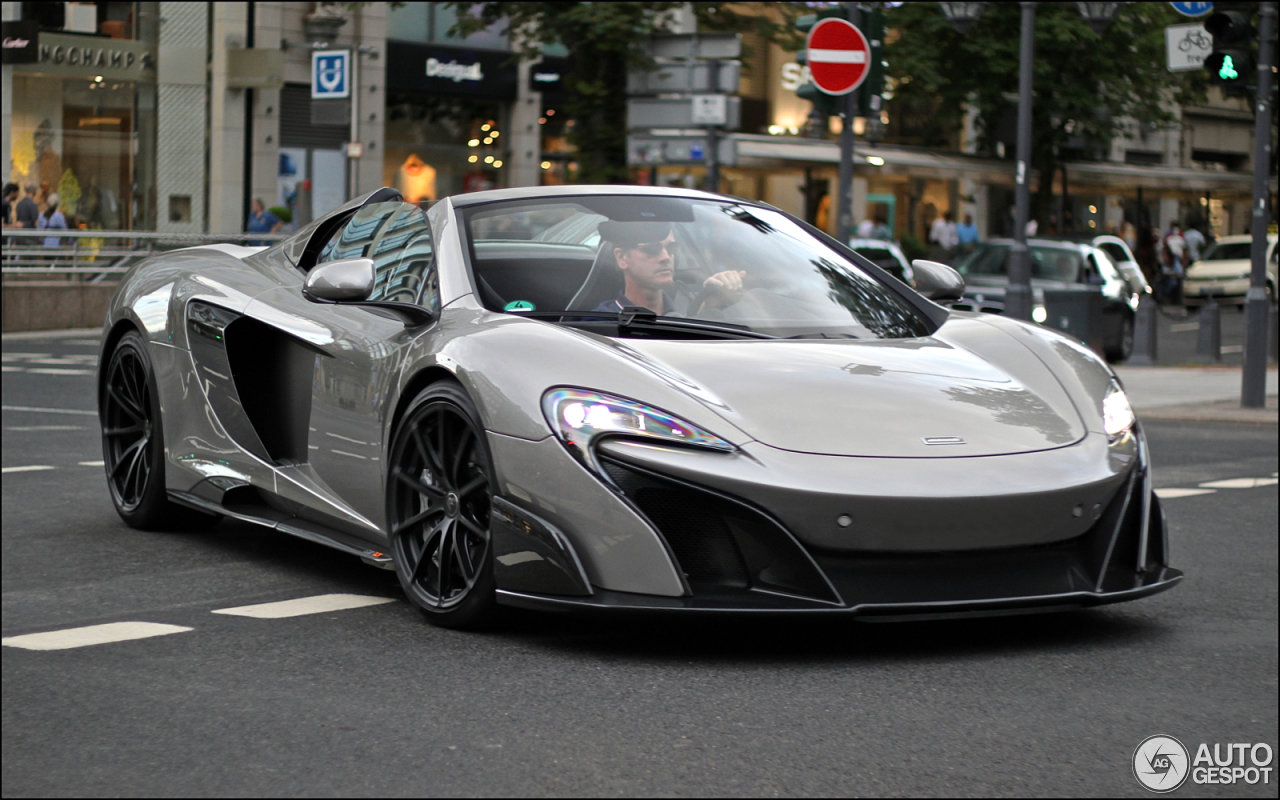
{"x":865,"y":398}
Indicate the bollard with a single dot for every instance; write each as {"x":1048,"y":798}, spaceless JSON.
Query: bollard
{"x":1209,"y":342}
{"x":1144,"y":333}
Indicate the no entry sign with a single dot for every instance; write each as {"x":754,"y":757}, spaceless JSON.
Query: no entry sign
{"x":838,"y":56}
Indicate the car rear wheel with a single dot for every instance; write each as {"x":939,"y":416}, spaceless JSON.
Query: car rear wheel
{"x":133,"y":442}
{"x":1122,"y":348}
{"x":438,"y":507}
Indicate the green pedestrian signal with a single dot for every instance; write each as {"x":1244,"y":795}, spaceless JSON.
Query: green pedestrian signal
{"x":1228,"y":69}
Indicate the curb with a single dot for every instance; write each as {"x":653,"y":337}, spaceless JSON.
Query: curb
{"x":19,"y":336}
{"x":1220,"y":411}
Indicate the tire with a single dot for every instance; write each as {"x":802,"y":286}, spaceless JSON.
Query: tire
{"x":439,"y":489}
{"x":1122,"y":348}
{"x":133,"y":442}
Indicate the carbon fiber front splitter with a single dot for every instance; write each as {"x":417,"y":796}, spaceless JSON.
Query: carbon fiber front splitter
{"x":767,"y":603}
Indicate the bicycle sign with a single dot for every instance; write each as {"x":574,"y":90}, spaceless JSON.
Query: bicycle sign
{"x":1187,"y":46}
{"x":1192,"y":9}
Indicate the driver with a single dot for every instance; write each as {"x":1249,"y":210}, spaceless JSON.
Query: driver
{"x":646,"y":252}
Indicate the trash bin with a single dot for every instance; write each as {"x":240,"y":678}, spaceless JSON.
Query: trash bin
{"x":1077,"y":312}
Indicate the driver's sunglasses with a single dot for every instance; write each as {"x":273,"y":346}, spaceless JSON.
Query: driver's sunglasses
{"x":654,"y":249}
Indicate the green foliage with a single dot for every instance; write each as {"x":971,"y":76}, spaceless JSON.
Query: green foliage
{"x":912,"y":247}
{"x":1084,"y":83}
{"x":68,"y":192}
{"x":604,"y":41}
{"x":282,"y":213}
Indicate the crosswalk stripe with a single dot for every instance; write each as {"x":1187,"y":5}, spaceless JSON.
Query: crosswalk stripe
{"x":1240,"y":483}
{"x":305,"y":605}
{"x":91,"y":635}
{"x":32,"y":468}
{"x":1166,"y":494}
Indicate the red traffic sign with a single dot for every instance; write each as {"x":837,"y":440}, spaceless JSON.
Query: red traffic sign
{"x":838,"y":56}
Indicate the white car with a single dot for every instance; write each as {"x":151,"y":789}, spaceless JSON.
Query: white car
{"x":1120,"y":254}
{"x":1223,"y":271}
{"x":885,"y":255}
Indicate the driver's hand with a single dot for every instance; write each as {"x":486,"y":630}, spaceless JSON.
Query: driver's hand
{"x":728,"y":282}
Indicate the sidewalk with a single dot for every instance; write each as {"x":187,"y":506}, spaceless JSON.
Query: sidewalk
{"x":1194,"y":394}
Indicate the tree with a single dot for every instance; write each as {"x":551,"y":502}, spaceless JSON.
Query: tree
{"x":1085,"y":83}
{"x":604,"y":41}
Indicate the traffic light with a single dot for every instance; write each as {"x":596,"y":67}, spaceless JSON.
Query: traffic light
{"x":869,"y":93}
{"x":826,"y":104}
{"x":1231,"y":61}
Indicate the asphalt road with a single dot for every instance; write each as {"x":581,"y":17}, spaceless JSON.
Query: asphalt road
{"x":374,"y":701}
{"x":1178,"y":332}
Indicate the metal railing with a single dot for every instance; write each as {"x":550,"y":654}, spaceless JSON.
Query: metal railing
{"x":94,"y":256}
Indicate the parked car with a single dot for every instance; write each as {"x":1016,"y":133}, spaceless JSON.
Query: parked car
{"x":1120,"y":254}
{"x":1223,"y":271}
{"x":885,"y":255}
{"x":1055,"y":264}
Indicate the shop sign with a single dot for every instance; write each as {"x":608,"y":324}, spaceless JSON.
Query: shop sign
{"x":21,"y":42}
{"x":83,"y":56}
{"x":436,"y":69}
{"x":548,"y":77}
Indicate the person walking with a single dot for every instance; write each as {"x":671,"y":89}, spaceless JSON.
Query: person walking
{"x":52,"y":219}
{"x":1195,"y":240}
{"x":1173,"y":261}
{"x":28,"y":212}
{"x":967,"y":234}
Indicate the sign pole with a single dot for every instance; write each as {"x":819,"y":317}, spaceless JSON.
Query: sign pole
{"x":1018,"y":296}
{"x":844,"y":188}
{"x":713,"y":145}
{"x":1253,"y":384}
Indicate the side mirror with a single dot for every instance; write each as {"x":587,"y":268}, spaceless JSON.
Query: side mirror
{"x":937,"y":281}
{"x":348,"y":280}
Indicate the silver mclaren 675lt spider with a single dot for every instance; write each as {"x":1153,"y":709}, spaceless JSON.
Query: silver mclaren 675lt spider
{"x":620,"y":398}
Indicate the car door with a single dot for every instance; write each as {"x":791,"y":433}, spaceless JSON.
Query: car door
{"x":351,"y":367}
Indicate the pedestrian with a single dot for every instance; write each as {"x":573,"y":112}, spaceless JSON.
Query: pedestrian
{"x":967,"y":234}
{"x":1174,"y":255}
{"x":938,"y":234}
{"x":6,"y":207}
{"x":28,"y":212}
{"x":261,"y":221}
{"x":866,"y":228}
{"x":950,"y":235}
{"x":52,"y":219}
{"x":881,"y":230}
{"x":1195,"y":240}
{"x":1130,"y":236}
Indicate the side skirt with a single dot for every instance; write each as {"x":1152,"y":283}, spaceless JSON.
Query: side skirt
{"x":303,"y":529}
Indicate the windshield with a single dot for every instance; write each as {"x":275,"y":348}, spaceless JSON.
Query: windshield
{"x":682,"y":259}
{"x":1047,"y":263}
{"x":1227,"y":251}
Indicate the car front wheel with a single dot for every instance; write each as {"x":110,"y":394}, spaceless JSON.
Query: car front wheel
{"x":438,"y":508}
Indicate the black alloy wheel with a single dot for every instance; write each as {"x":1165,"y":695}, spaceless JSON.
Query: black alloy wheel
{"x":438,"y":508}
{"x":133,"y":441}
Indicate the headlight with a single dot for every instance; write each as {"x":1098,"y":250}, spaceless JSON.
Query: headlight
{"x":578,"y":417}
{"x":1117,"y":414}
{"x":1040,"y":314}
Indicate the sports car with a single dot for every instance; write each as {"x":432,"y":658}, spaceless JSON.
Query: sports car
{"x":617,"y":399}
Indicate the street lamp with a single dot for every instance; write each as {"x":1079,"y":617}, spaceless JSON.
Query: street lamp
{"x":963,"y":15}
{"x":1098,"y":15}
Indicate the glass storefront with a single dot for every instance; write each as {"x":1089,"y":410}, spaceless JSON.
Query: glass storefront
{"x":84,"y":115}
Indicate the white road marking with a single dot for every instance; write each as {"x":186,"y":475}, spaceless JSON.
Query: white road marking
{"x":7,"y":368}
{"x":15,"y":356}
{"x":93,"y":463}
{"x":1166,"y":494}
{"x":1231,"y":348}
{"x":345,"y":439}
{"x":46,"y":428}
{"x":90,"y":635}
{"x":305,"y":605}
{"x":56,"y":361}
{"x":33,"y":468}
{"x":1183,"y":328}
{"x":88,"y":342}
{"x":49,"y":410}
{"x":1240,"y":483}
{"x":345,"y":453}
{"x":57,"y":371}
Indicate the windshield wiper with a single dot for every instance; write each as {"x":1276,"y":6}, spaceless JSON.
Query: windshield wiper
{"x":641,"y":318}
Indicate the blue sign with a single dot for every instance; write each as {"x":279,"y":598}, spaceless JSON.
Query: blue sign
{"x":330,"y":74}
{"x":1192,"y":9}
{"x":695,"y":151}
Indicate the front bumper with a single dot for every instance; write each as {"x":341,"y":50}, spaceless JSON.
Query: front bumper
{"x":742,"y":556}
{"x":1198,"y":291}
